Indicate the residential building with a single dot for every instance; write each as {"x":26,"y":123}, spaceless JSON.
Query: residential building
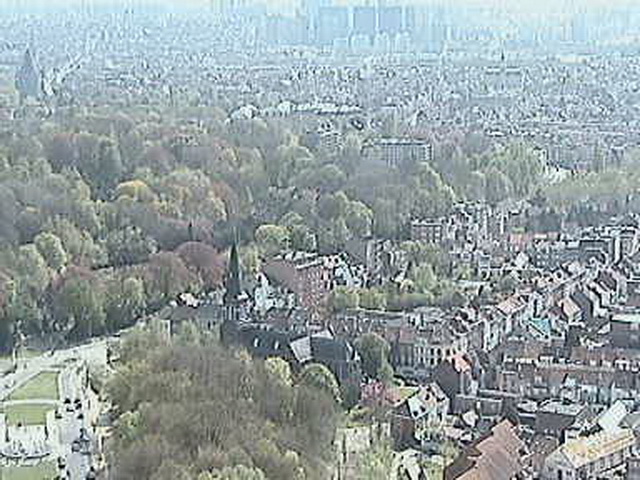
{"x":633,"y":468}
{"x":305,"y":274}
{"x":396,"y":152}
{"x":433,"y":232}
{"x":590,"y":456}
{"x":416,"y":419}
{"x":556,"y":417}
{"x":625,"y":330}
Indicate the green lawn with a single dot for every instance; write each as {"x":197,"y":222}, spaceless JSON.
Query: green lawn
{"x":44,"y":471}
{"x":28,"y":414}
{"x":42,"y":386}
{"x":28,"y":353}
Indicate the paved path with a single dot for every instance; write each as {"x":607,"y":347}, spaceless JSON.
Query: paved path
{"x":72,"y":384}
{"x":94,"y":352}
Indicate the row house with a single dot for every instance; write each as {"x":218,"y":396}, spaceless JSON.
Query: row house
{"x":500,"y":321}
{"x":603,"y":246}
{"x":596,"y":382}
{"x":469,"y":226}
{"x":427,"y":338}
{"x":415,"y":353}
{"x":561,"y":418}
{"x":591,"y":456}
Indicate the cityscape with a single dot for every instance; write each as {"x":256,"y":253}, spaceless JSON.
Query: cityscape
{"x":319,"y":239}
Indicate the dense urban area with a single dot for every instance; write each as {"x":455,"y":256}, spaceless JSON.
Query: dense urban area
{"x":319,"y":240}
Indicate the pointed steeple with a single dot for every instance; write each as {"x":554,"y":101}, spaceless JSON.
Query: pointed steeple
{"x":234,"y":300}
{"x":28,"y":81}
{"x":233,"y":282}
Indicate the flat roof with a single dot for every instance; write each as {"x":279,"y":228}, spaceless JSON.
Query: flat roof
{"x":626,"y":317}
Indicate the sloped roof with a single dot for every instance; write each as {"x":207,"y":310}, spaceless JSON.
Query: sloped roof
{"x":584,"y":450}
{"x":301,"y":349}
{"x":611,"y":418}
{"x":510,"y":305}
{"x":569,"y":307}
{"x":495,"y":456}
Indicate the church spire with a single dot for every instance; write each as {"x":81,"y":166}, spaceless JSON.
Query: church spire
{"x":233,"y":282}
{"x":28,"y":82}
{"x":234,"y":299}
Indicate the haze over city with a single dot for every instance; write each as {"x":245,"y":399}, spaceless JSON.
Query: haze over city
{"x":319,"y":240}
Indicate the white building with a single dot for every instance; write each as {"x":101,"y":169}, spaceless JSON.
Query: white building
{"x":591,"y":456}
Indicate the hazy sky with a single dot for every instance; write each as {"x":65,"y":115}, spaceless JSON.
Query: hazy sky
{"x":538,"y":5}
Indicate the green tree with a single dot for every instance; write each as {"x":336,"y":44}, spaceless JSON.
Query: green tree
{"x":279,"y":371}
{"x":166,"y":276}
{"x":272,"y":239}
{"x":316,"y":375}
{"x":372,"y":299}
{"x":343,"y":298}
{"x":79,"y":244}
{"x":51,"y":249}
{"x":385,"y":218}
{"x":31,"y":269}
{"x":374,"y":353}
{"x":125,"y":301}
{"x":111,"y":167}
{"x":359,"y":219}
{"x":377,"y":463}
{"x":129,"y":246}
{"x":497,"y":187}
{"x":302,"y":238}
{"x":333,"y":206}
{"x":424,"y":279}
{"x":80,"y":305}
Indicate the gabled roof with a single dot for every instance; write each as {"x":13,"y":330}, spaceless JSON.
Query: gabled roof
{"x":510,"y":305}
{"x":420,"y":401}
{"x":611,"y":418}
{"x":569,"y":307}
{"x":495,"y":456}
{"x":584,"y":450}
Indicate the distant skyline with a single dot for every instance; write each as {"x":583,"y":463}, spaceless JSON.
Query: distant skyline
{"x":506,"y":3}
{"x":526,"y":6}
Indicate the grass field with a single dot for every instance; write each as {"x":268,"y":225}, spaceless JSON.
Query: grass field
{"x":43,"y":386}
{"x":44,"y":471}
{"x":28,"y":414}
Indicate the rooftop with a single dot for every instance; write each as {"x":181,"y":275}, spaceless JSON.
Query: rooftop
{"x":561,"y":408}
{"x":585,"y":450}
{"x":627,"y":317}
